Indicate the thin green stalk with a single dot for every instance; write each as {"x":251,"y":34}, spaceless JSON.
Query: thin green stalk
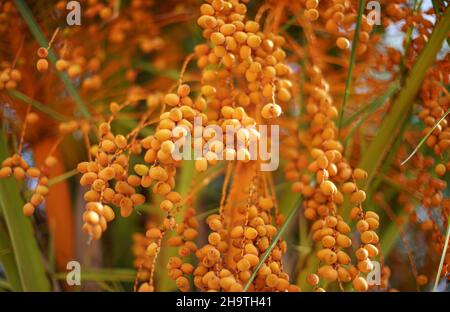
{"x":39,"y":106}
{"x":444,"y":253}
{"x":348,"y":82}
{"x":149,"y":67}
{"x":40,"y":38}
{"x":425,"y":138}
{"x":266,"y":254}
{"x":62,"y":177}
{"x":372,"y":106}
{"x":202,"y":215}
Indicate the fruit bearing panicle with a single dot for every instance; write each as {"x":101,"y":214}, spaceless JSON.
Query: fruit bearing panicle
{"x":274,"y":63}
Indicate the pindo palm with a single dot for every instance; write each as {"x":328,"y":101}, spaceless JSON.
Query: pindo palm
{"x":145,"y":131}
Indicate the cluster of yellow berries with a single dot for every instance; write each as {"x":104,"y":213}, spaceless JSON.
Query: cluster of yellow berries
{"x":9,"y":78}
{"x":21,"y":170}
{"x":240,"y":235}
{"x":6,"y":10}
{"x":109,"y":181}
{"x":255,"y":58}
{"x":18,"y":166}
{"x":333,"y":178}
{"x":239,"y":51}
{"x":142,"y":262}
{"x":339,"y":18}
{"x":42,"y":63}
{"x":436,"y":101}
{"x":179,"y":268}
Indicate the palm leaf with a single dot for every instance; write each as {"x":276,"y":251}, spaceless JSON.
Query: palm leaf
{"x":26,"y":252}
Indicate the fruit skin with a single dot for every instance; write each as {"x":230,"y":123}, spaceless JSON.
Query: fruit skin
{"x":343,"y":43}
{"x":360,"y":284}
{"x":271,"y":110}
{"x":42,"y":65}
{"x":440,"y":170}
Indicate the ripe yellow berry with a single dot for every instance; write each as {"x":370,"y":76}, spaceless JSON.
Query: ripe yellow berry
{"x":42,"y":65}
{"x":312,"y":279}
{"x":33,"y":172}
{"x":371,"y":250}
{"x":36,"y":199}
{"x":32,"y":118}
{"x":163,"y":135}
{"x":190,"y":234}
{"x":328,"y":188}
{"x":358,"y":197}
{"x":243,"y":265}
{"x":141,"y":170}
{"x":328,"y":241}
{"x":42,"y":52}
{"x":440,"y":169}
{"x":146,"y":287}
{"x":344,"y":275}
{"x":422,"y":280}
{"x":208,"y":90}
{"x":172,"y":99}
{"x":312,"y":4}
{"x":254,"y":41}
{"x":312,"y":14}
{"x":250,"y":233}
{"x":365,"y":266}
{"x":373,"y":223}
{"x":360,"y":284}
{"x":201,"y":164}
{"x":166,"y":205}
{"x":153,"y":233}
{"x":360,"y":174}
{"x":271,"y":110}
{"x":152,"y":249}
{"x":74,"y":70}
{"x":108,"y":213}
{"x":217,"y":38}
{"x":343,"y":43}
{"x":271,"y":280}
{"x":92,"y":217}
{"x":61,"y":65}
{"x":361,"y":254}
{"x":265,"y":203}
{"x":374,"y":215}
{"x":5,"y":172}
{"x":362,"y":226}
{"x":28,"y":209}
{"x":343,"y":241}
{"x":237,"y":232}
{"x":328,"y":273}
{"x":19,"y":173}
{"x":214,"y":238}
{"x":108,"y":146}
{"x":367,"y":237}
{"x":348,"y":187}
